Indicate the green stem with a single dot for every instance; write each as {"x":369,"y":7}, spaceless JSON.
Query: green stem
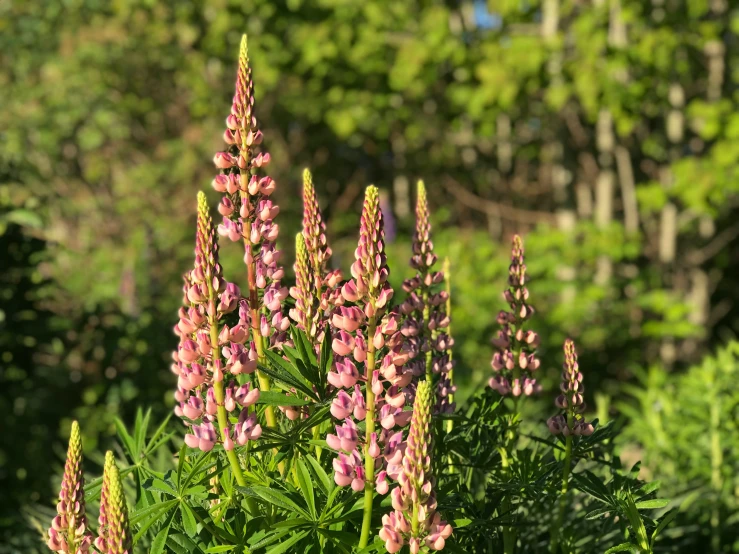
{"x":369,"y":461}
{"x":221,"y":413}
{"x":251,"y":275}
{"x":554,"y":546}
{"x":509,"y":533}
{"x":264,"y":382}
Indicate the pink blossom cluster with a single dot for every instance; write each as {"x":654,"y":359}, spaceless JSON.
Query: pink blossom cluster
{"x":248,"y":210}
{"x":415,"y":520}
{"x":571,"y":403}
{"x":515,"y":361}
{"x":69,"y":531}
{"x":369,"y":353}
{"x":424,"y":309}
{"x":317,"y":288}
{"x":210,"y":352}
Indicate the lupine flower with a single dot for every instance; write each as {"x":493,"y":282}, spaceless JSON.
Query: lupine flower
{"x":570,"y":420}
{"x":415,"y":519}
{"x":369,"y":353}
{"x":118,"y":530}
{"x":114,"y":532}
{"x":316,"y":291}
{"x":101,"y":540}
{"x":211,"y":354}
{"x":69,"y":532}
{"x":305,"y":311}
{"x":515,"y":361}
{"x":314,"y":233}
{"x":249,"y":213}
{"x":425,"y":310}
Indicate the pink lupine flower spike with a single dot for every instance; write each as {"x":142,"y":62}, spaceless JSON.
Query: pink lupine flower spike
{"x":415,"y":520}
{"x":69,"y":532}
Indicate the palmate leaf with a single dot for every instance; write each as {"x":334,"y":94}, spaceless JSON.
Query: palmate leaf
{"x":269,"y":538}
{"x":589,"y":483}
{"x":304,"y":347}
{"x":273,"y":398}
{"x":327,"y":357}
{"x":181,"y":544}
{"x":160,"y":541}
{"x":188,"y":520}
{"x":666,"y":520}
{"x":343,"y":538}
{"x":307,"y":371}
{"x":277,"y":498}
{"x":325,"y":483}
{"x":160,"y":485}
{"x":306,"y":486}
{"x":284,"y":372}
{"x":286,"y":545}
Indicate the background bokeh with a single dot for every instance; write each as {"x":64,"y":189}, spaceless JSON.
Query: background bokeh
{"x":605,"y":131}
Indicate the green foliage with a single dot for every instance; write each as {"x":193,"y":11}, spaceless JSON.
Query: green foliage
{"x":685,"y":429}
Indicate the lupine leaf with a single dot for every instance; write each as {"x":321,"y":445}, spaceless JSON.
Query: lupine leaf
{"x":273,"y":398}
{"x":623,"y":547}
{"x":284,"y":546}
{"x":652,"y":504}
{"x":325,"y":484}
{"x":160,"y":541}
{"x":188,"y":520}
{"x":221,"y":548}
{"x":306,"y":486}
{"x":280,"y":499}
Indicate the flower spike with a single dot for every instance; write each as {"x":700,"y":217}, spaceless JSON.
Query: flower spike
{"x":415,"y":519}
{"x":369,"y":372}
{"x":115,"y":533}
{"x":101,"y":542}
{"x":570,"y":420}
{"x":211,"y":353}
{"x":69,"y":532}
{"x":316,"y":291}
{"x":426,"y":313}
{"x":249,"y":216}
{"x":515,"y":361}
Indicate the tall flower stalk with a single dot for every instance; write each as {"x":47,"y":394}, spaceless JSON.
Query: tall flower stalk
{"x":69,"y":532}
{"x":569,"y":422}
{"x":101,"y":542}
{"x":211,"y":353}
{"x":365,"y":334}
{"x":515,"y":362}
{"x":114,"y":534}
{"x":425,"y":309}
{"x":316,"y":290}
{"x":248,"y":216}
{"x":415,"y":520}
